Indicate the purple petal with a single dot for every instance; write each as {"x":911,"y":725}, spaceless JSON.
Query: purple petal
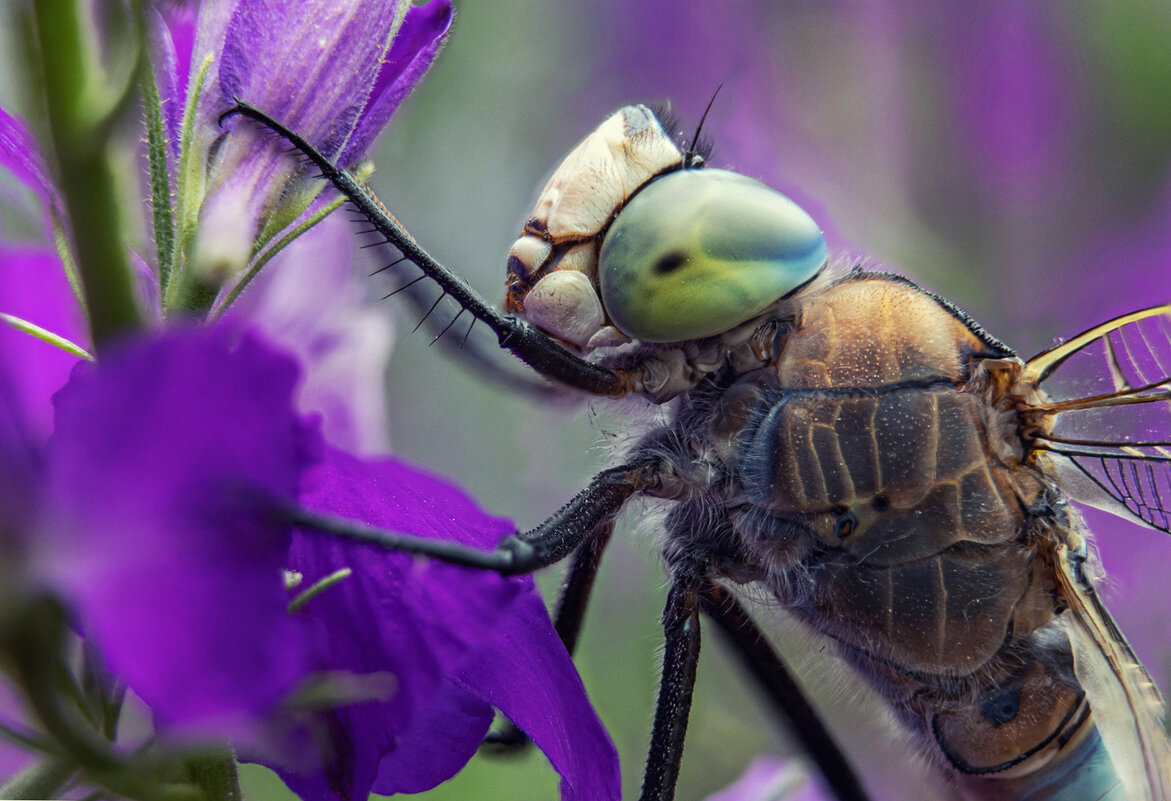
{"x":155,"y":469}
{"x":312,"y":64}
{"x":307,"y":301}
{"x":526,"y":673}
{"x":423,"y":621}
{"x":33,"y":288}
{"x":20,"y":470}
{"x":437,"y":744}
{"x":415,"y":46}
{"x":414,"y":620}
{"x":309,"y":64}
{"x":211,"y":26}
{"x":20,"y":153}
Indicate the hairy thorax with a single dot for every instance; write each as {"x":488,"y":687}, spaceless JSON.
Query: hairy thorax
{"x":866,"y":475}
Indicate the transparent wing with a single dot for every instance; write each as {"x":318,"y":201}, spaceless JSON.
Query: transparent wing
{"x":1109,"y":404}
{"x":1125,"y":703}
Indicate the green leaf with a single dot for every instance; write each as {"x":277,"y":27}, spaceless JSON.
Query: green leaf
{"x":191,"y":188}
{"x":160,"y":185}
{"x":44,"y":335}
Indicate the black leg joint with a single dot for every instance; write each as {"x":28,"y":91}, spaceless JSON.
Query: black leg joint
{"x":558,"y":536}
{"x":518,"y":556}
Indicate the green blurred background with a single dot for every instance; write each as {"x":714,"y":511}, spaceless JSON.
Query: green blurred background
{"x":851,"y":108}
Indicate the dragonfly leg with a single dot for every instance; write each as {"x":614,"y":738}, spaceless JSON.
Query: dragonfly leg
{"x":567,"y":620}
{"x":530,"y":345}
{"x":782,"y":690}
{"x":680,"y":660}
{"x":547,"y":543}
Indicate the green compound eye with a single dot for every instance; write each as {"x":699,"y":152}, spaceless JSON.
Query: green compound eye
{"x":697,"y":252}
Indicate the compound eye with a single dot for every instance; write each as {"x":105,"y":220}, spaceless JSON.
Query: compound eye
{"x":697,"y":252}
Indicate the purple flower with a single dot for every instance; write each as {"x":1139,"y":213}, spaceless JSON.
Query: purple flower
{"x":512,"y":662}
{"x":158,"y":525}
{"x":33,"y":288}
{"x":149,"y":529}
{"x":325,"y":69}
{"x":339,"y":90}
{"x":234,"y":199}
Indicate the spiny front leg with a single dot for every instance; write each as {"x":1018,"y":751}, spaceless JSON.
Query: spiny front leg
{"x":526,"y":342}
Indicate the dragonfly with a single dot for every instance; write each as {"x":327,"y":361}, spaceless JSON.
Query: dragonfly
{"x":895,"y":476}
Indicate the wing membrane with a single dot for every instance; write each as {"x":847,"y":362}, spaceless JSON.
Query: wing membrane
{"x":1125,"y":703}
{"x":1109,"y":409}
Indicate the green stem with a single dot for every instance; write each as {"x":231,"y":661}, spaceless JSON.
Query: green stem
{"x":80,"y":116}
{"x":216,"y":775}
{"x":43,"y":779}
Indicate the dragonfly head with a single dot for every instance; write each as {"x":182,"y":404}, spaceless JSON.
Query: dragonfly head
{"x":627,"y":243}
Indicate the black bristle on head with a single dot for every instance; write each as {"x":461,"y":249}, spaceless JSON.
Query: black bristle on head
{"x":667,"y":117}
{"x":697,"y":151}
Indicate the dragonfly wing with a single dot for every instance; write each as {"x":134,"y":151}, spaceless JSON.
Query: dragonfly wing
{"x":1107,"y":411}
{"x":1126,"y":706}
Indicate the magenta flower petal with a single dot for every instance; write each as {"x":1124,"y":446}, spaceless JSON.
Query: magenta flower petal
{"x":457,"y":642}
{"x":20,"y":469}
{"x":527,"y":674}
{"x":414,"y":48}
{"x":437,"y":744}
{"x":313,"y":63}
{"x":159,"y":472}
{"x":413,"y":620}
